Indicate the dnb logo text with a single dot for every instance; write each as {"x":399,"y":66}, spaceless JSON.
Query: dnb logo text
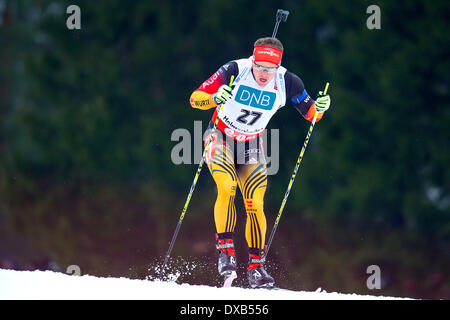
{"x":255,"y":98}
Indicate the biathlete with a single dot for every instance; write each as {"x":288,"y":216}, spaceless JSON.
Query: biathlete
{"x":260,"y":86}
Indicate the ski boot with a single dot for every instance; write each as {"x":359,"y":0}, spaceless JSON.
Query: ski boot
{"x":227,"y":258}
{"x":256,"y":274}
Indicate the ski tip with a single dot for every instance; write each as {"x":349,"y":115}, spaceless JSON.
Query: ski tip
{"x":229,"y":278}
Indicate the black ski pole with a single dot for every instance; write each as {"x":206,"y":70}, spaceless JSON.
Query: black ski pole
{"x":191,"y":191}
{"x":299,"y":160}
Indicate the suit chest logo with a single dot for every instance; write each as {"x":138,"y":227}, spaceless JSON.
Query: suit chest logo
{"x":255,"y":98}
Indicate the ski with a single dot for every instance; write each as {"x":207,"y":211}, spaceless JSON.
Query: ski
{"x":229,"y":279}
{"x":268,"y":286}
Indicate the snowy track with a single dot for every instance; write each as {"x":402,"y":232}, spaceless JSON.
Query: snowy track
{"x":53,"y":285}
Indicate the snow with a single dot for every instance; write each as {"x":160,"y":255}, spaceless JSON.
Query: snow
{"x":50,"y":285}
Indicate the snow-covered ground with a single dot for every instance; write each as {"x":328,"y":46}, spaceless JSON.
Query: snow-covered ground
{"x":54,"y":285}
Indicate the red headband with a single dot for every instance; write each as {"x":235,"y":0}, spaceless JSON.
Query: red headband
{"x":268,"y":54}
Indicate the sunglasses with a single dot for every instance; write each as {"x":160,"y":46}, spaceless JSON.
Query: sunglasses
{"x":261,"y":68}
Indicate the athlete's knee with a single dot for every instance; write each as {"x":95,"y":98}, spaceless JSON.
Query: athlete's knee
{"x":254,"y":205}
{"x":227,"y":186}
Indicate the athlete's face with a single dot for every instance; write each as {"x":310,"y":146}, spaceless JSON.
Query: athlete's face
{"x":265,"y":74}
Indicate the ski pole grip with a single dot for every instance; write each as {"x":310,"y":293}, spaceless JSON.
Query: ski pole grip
{"x":231,"y":80}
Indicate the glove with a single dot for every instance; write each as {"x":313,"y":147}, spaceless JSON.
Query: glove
{"x":223,"y":94}
{"x":322,"y":102}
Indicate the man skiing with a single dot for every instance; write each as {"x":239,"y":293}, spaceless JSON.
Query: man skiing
{"x":249,"y":91}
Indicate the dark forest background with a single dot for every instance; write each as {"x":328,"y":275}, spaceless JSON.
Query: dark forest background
{"x":86,"y":118}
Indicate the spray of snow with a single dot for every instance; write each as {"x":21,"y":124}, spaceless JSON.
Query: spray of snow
{"x":178,"y":269}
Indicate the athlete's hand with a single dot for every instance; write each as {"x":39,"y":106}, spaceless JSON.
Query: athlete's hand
{"x":223,"y":94}
{"x":322,"y":102}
